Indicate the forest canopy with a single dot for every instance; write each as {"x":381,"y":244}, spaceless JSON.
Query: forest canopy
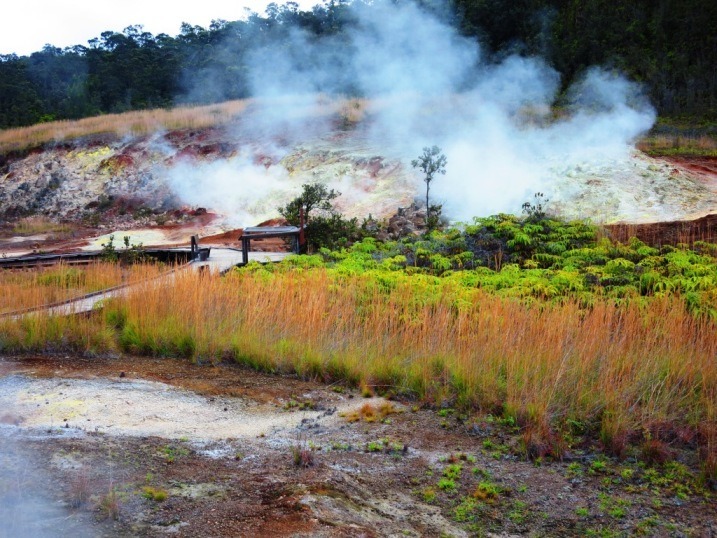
{"x":668,"y":46}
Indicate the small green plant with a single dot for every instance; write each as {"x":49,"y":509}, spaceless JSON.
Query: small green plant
{"x":304,"y":405}
{"x":447,"y":484}
{"x":574,"y":469}
{"x":518,"y":514}
{"x":627,"y":474}
{"x":171,"y":453}
{"x":302,"y":456}
{"x":483,"y":473}
{"x":109,"y":251}
{"x":647,"y":526}
{"x":453,"y":471}
{"x":110,"y":504}
{"x":488,"y":491}
{"x":614,"y":506}
{"x":154,"y":494}
{"x":599,"y":466}
{"x":374,"y":446}
{"x":428,"y":495}
{"x":581,"y":511}
{"x":131,"y":254}
{"x":466,"y":510}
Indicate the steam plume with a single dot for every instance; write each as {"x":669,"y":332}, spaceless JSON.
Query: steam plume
{"x":429,"y":85}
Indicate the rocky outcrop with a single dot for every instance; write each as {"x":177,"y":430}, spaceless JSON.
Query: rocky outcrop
{"x":108,"y":179}
{"x":73,"y":181}
{"x":407,"y":221}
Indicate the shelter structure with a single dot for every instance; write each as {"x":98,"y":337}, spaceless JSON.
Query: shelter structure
{"x":293,"y":233}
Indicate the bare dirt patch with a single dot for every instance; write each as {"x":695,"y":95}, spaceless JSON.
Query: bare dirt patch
{"x":213,"y":451}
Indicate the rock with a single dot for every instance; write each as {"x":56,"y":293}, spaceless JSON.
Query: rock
{"x":406,"y":222}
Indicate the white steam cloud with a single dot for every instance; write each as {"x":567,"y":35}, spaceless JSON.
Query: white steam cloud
{"x":429,"y":86}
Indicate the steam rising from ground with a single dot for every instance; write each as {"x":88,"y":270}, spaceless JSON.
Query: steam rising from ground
{"x":428,"y":85}
{"x":26,"y":508}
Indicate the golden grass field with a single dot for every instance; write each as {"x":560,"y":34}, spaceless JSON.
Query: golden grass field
{"x":143,"y":122}
{"x":626,"y":373}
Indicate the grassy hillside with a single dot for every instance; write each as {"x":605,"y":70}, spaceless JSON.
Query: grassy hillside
{"x":129,"y":123}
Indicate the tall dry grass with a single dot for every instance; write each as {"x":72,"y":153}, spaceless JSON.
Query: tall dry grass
{"x":39,"y":225}
{"x":622,"y":371}
{"x":666,"y":145}
{"x":24,"y":289}
{"x":128,"y":123}
{"x":144,"y":122}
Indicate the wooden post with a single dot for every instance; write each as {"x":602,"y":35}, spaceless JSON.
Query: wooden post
{"x":194,"y":242}
{"x":245,"y":250}
{"x":302,"y":235}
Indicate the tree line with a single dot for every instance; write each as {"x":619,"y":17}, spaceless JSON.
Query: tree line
{"x":668,"y":45}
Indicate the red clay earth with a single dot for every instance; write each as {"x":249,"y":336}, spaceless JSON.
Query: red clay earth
{"x":667,"y":233}
{"x":704,"y":167}
{"x":362,"y":478}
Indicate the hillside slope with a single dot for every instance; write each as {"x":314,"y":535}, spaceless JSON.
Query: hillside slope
{"x":242,"y":169}
{"x":127,"y":179}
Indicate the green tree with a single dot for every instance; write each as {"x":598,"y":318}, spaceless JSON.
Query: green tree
{"x":325,"y":226}
{"x":431,"y":162}
{"x":314,"y":197}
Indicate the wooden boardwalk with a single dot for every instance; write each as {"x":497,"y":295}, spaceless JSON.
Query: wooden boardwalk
{"x":220,"y":260}
{"x":223,"y":259}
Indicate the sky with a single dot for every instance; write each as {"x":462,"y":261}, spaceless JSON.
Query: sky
{"x":26,"y":26}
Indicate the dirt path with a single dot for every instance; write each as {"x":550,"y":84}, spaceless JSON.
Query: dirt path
{"x":152,"y":447}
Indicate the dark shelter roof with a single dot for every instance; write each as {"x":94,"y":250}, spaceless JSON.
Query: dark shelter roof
{"x":274,"y":230}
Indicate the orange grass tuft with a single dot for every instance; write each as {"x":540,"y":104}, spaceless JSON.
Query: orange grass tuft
{"x":371,"y":413}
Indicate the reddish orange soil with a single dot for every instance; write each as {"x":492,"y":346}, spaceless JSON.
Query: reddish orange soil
{"x":667,"y":233}
{"x":702,"y":167}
